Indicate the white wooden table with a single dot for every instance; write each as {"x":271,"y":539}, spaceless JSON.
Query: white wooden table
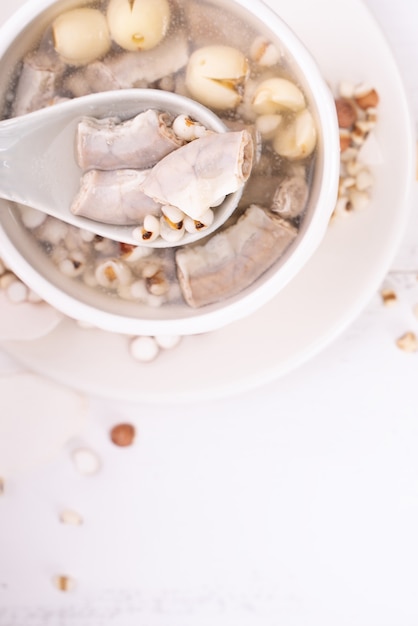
{"x":293,"y":504}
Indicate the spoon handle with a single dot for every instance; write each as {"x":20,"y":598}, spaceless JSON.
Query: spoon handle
{"x":35,"y":168}
{"x":21,"y":159}
{"x":9,"y":137}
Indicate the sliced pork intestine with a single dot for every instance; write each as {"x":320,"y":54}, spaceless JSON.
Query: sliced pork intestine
{"x":255,"y":135}
{"x":36,"y":87}
{"x":137,"y":143}
{"x":194,"y":177}
{"x":148,"y":66}
{"x":113,"y":197}
{"x":131,"y":69}
{"x":92,"y":78}
{"x":234,"y":258}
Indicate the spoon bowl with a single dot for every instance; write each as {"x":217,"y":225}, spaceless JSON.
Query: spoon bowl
{"x":38,"y":167}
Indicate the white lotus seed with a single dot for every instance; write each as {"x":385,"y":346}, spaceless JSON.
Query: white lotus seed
{"x":215,"y":76}
{"x":138,"y":24}
{"x":81,"y":35}
{"x":268,"y":124}
{"x":297,"y":140}
{"x":277,"y":94}
{"x":263,"y":52}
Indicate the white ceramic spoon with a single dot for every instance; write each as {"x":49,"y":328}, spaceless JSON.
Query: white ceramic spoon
{"x":37,"y":155}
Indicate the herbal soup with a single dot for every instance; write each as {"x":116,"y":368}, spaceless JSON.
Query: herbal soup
{"x":214,"y":56}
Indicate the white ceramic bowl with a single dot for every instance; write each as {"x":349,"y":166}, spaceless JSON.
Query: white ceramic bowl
{"x":20,"y":250}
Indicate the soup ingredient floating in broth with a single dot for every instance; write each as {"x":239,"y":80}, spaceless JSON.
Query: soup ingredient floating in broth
{"x":84,"y":35}
{"x":81,"y":36}
{"x":216,"y":76}
{"x":234,"y":258}
{"x":284,"y":118}
{"x":138,"y":24}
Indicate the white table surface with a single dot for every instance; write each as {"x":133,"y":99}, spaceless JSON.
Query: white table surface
{"x":294,"y":504}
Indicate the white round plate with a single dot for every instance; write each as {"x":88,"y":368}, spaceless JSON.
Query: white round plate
{"x":317,"y":305}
